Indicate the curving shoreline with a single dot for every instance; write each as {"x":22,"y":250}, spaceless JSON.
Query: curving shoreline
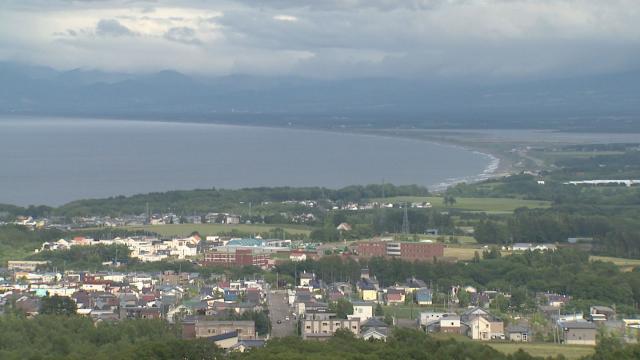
{"x":102,"y":158}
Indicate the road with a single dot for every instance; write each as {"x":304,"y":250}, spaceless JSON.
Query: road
{"x":278,"y":310}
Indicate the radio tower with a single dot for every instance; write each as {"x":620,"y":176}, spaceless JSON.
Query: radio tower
{"x":405,"y":221}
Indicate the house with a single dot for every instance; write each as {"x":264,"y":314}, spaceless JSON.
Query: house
{"x":442,"y":322}
{"x":482,"y":328}
{"x":375,"y":329}
{"x":226,"y":340}
{"x":423,"y":296}
{"x":428,"y":317}
{"x":374,"y":334}
{"x":306,"y":278}
{"x":395,"y":296}
{"x":482,"y":325}
{"x":450,"y":324}
{"x":232,"y":219}
{"x":334,"y":294}
{"x":362,"y":310}
{"x":244,"y":345}
{"x":367,"y":289}
{"x":577,"y":332}
{"x":412,"y":284}
{"x":518,"y":333}
{"x":557,"y":300}
{"x":601,"y":313}
{"x":140,"y":313}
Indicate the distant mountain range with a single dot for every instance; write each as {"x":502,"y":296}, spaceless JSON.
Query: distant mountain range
{"x":594,"y":103}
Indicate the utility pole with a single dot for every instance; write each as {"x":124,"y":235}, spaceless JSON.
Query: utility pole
{"x":405,"y":221}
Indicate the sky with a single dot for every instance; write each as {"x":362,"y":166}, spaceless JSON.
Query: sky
{"x":451,"y":39}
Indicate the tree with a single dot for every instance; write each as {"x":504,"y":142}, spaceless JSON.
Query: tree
{"x":378,"y":310}
{"x":57,"y":305}
{"x":463,"y":298}
{"x":342,"y":308}
{"x":448,"y":200}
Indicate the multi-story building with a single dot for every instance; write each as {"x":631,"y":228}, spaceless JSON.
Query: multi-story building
{"x":321,"y":325}
{"x":232,"y":257}
{"x":199,"y":327}
{"x":363,"y":310}
{"x":404,"y":250}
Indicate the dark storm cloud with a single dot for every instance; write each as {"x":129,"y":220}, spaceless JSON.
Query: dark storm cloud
{"x":333,"y":38}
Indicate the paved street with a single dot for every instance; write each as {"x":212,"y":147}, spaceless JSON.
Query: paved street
{"x":279,"y":310}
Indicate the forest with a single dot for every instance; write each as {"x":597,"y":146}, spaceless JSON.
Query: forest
{"x":51,"y":337}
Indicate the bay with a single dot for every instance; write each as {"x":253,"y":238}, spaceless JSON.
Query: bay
{"x":56,"y":160}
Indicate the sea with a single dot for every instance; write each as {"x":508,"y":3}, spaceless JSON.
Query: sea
{"x":52,"y":161}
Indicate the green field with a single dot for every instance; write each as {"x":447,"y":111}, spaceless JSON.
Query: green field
{"x":461,"y":253}
{"x":215,"y":229}
{"x":545,"y":349}
{"x":624,"y":264}
{"x":408,"y":312}
{"x":467,"y":252}
{"x":492,"y":205}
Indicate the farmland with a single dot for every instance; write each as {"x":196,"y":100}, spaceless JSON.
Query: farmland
{"x":216,"y":229}
{"x":489,"y":205}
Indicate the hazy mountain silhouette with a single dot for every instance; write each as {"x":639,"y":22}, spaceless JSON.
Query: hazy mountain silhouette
{"x":600,"y":102}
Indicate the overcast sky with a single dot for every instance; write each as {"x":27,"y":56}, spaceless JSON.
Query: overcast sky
{"x":500,"y":39}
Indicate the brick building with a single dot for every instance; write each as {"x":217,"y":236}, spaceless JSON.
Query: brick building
{"x":404,"y":250}
{"x":232,"y":257}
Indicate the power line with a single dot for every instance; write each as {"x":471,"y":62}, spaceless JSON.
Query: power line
{"x":405,"y":221}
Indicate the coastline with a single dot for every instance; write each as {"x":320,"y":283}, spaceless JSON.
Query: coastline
{"x":497,"y":166}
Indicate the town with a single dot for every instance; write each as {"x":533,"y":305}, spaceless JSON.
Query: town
{"x":237,"y":313}
{"x":526,"y":264}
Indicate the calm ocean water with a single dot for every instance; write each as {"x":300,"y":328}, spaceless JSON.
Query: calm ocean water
{"x":53,"y":161}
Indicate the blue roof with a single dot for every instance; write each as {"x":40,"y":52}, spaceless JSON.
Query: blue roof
{"x":423,"y":294}
{"x":230,"y":297}
{"x":246,"y":242}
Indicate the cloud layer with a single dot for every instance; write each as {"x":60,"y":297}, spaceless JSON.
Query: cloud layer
{"x":459,"y":39}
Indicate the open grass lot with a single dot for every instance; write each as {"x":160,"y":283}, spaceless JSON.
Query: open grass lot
{"x":214,"y":229}
{"x":624,"y":264}
{"x":461,"y":253}
{"x":545,"y":349}
{"x":492,"y":205}
{"x":466,"y":252}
